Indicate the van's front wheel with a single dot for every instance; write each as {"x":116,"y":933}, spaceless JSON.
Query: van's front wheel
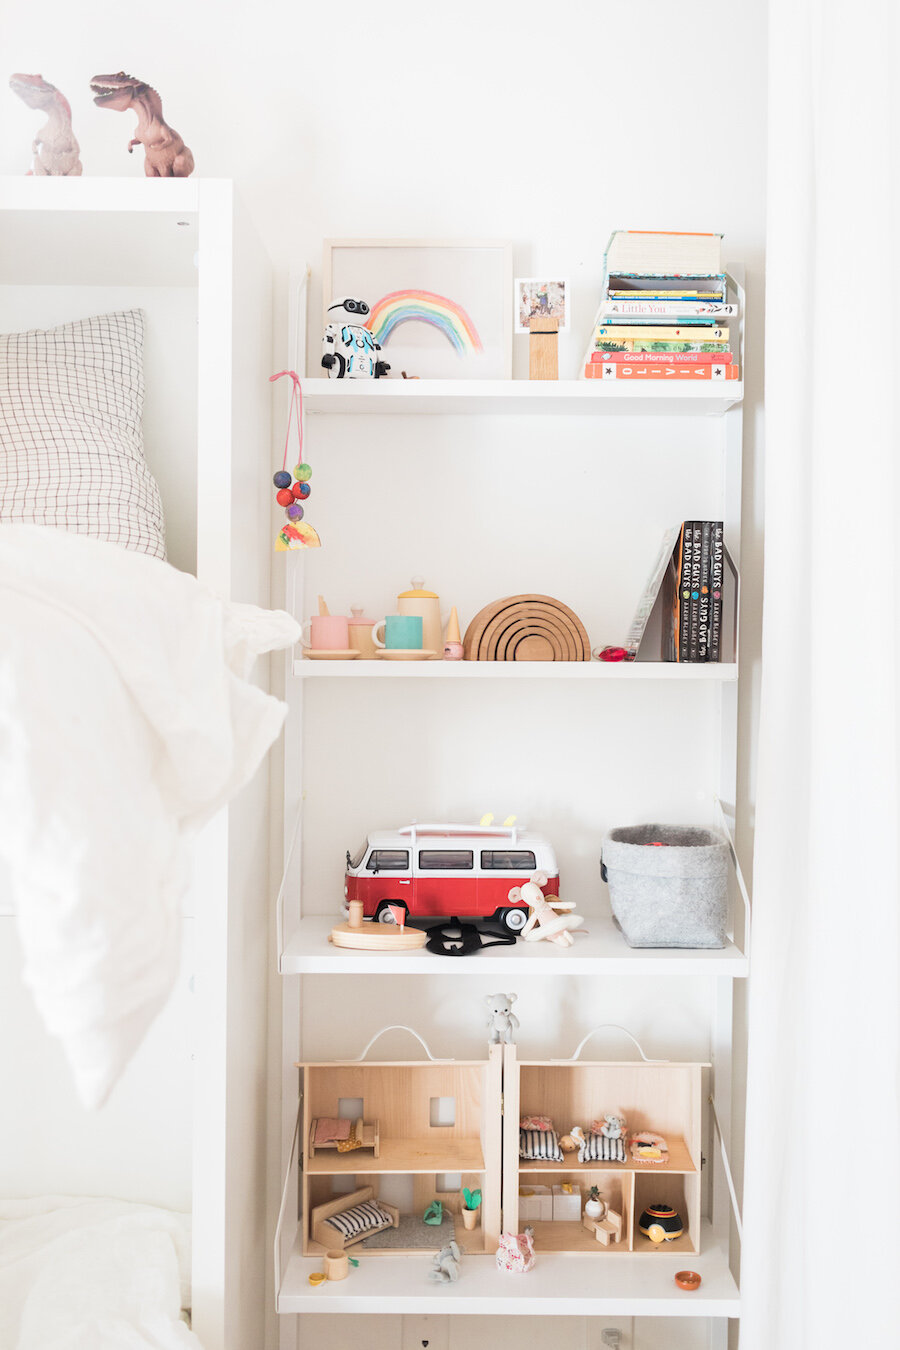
{"x":513,"y":920}
{"x":384,"y":914}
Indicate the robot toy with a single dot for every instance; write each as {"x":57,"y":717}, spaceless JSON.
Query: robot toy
{"x":349,"y":351}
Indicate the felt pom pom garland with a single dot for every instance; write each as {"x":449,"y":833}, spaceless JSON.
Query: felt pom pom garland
{"x":292,"y":489}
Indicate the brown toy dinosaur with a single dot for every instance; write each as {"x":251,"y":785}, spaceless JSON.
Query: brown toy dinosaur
{"x":165,"y":153}
{"x":54,"y":146}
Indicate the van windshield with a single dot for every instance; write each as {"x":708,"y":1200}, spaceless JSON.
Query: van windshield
{"x":358,"y":856}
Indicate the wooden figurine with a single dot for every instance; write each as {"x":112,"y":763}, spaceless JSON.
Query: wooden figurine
{"x":543,"y":343}
{"x":548,"y":918}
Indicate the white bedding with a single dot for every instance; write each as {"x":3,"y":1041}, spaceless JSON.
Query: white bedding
{"x":126,"y":722}
{"x":93,"y":1275}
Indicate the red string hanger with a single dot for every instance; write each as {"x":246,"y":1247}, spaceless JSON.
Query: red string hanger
{"x":295,"y":532}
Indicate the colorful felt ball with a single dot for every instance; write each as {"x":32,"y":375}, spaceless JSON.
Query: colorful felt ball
{"x":302,"y":473}
{"x":294,"y":511}
{"x":302,"y":490}
{"x":282,"y":479}
{"x":284,"y":496}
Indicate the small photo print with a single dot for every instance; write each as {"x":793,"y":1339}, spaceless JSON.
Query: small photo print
{"x":537,"y":296}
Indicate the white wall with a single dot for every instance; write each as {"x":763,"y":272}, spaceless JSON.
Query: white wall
{"x":547,"y":124}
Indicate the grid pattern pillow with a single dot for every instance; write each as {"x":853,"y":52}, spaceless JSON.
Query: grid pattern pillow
{"x":597,"y":1148}
{"x":71,"y":444}
{"x":540,"y":1146}
{"x":364,"y":1218}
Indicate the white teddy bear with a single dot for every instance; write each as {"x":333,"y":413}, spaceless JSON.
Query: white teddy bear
{"x":502,"y":1021}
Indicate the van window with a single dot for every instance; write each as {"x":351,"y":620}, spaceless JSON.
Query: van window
{"x":506,"y":860}
{"x":445,"y":860}
{"x":358,"y":856}
{"x":388,"y":860}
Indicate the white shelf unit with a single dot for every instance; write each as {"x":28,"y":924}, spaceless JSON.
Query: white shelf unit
{"x":722,"y":672}
{"x":601,"y":951}
{"x":339,"y":766}
{"x":181,"y":1129}
{"x":550,"y":397}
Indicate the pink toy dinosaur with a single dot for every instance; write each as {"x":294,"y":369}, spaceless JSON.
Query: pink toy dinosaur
{"x":165,"y":153}
{"x":54,"y":146}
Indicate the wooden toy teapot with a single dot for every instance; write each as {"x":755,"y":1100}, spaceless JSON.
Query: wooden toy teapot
{"x":427,"y":605}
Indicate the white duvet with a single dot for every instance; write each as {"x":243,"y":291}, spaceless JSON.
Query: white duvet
{"x":93,"y":1275}
{"x":126,"y":721}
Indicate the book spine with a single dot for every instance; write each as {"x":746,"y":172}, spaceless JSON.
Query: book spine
{"x":666,"y":297}
{"x":684,"y":592}
{"x":665,"y":358}
{"x":613,"y":370}
{"x":716,"y":583}
{"x":693,"y":632}
{"x":642,"y":332}
{"x":671,"y":309}
{"x":703,"y":607}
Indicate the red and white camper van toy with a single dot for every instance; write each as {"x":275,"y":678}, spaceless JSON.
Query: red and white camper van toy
{"x":439,"y":871}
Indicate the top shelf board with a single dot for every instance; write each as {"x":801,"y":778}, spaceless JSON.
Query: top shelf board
{"x":105,"y":231}
{"x":584,"y":397}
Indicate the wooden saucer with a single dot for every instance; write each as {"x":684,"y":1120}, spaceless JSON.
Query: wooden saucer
{"x":405,"y":654}
{"x":338,"y":654}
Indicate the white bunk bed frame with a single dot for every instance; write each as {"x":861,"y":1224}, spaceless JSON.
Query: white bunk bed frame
{"x":87,"y":246}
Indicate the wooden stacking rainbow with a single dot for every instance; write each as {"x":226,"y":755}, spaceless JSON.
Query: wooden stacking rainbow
{"x":425,"y":307}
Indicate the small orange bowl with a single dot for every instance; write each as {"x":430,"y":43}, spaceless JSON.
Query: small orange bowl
{"x":687,"y":1279}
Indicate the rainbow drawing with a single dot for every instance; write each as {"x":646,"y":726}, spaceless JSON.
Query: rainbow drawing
{"x":425,"y":307}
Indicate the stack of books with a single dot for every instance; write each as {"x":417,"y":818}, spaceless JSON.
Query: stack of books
{"x":692,"y":627}
{"x":665,"y":311}
{"x":690,"y":571}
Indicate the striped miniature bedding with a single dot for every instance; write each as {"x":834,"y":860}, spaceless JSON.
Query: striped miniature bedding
{"x":364,"y":1218}
{"x":597,"y":1148}
{"x":540,"y":1146}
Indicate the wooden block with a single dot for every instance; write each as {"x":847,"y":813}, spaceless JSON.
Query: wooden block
{"x":603,"y":1232}
{"x":543,"y":348}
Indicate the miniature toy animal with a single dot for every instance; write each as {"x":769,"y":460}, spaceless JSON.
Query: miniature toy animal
{"x":516,"y":1252}
{"x":349,"y":350}
{"x":165,"y":153}
{"x":502,"y":1021}
{"x":548,"y":918}
{"x":446,"y":1264}
{"x":614,"y":1125}
{"x":54,"y":147}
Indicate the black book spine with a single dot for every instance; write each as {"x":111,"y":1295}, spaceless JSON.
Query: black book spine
{"x":694,"y":616}
{"x":703,"y":616}
{"x":716,"y":583}
{"x":684,"y":592}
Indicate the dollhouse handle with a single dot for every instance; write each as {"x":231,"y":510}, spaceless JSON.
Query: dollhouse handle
{"x":397,"y":1027}
{"x":610,"y":1026}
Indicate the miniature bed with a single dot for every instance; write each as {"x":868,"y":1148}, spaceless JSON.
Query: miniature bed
{"x":350,"y":1218}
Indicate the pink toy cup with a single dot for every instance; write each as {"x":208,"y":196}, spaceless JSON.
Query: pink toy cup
{"x":327,"y":633}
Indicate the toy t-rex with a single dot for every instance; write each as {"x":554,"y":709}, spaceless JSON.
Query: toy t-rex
{"x":55,"y":147}
{"x":165,"y":153}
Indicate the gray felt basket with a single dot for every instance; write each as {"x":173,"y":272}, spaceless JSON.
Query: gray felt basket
{"x":675,"y":896}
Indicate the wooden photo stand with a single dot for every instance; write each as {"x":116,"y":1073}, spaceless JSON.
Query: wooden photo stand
{"x":543,"y":348}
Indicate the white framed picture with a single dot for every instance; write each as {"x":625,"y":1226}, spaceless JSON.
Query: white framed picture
{"x":440,"y":308}
{"x":538,"y":296}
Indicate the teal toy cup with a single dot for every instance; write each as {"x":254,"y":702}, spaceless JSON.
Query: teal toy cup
{"x":402,"y":632}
